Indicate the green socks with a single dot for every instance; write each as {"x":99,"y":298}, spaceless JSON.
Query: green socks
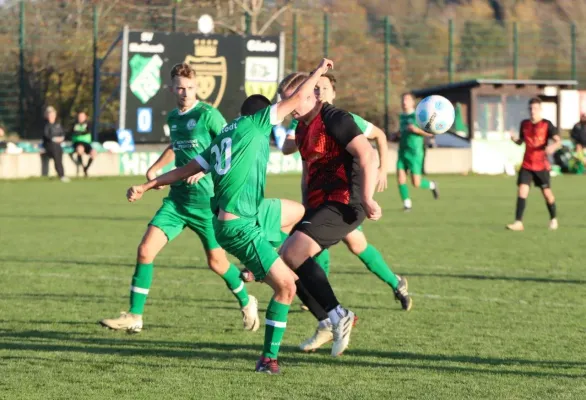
{"x":276,"y":323}
{"x":404,"y":191}
{"x":141,"y":283}
{"x":373,"y":260}
{"x":323,"y":259}
{"x":425,"y":184}
{"x":236,"y":285}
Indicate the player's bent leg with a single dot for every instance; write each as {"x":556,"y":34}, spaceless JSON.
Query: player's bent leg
{"x":291,"y":214}
{"x":419,"y":182}
{"x":92,"y":155}
{"x":153,"y":241}
{"x":551,"y":208}
{"x":403,"y":189}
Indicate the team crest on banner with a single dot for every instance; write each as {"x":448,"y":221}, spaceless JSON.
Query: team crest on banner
{"x":261,"y":76}
{"x":145,"y":76}
{"x":211,"y":71}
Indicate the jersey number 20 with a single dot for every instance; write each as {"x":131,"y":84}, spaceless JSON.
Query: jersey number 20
{"x":223,"y":155}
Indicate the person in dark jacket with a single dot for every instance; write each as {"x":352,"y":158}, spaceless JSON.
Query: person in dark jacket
{"x":53,"y":136}
{"x":578,"y":135}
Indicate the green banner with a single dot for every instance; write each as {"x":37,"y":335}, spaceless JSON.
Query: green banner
{"x":139,"y":162}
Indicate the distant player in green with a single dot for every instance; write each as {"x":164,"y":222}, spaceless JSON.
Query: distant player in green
{"x":356,"y":241}
{"x":193,"y":125}
{"x":411,"y":153}
{"x":81,"y":139}
{"x":237,"y":161}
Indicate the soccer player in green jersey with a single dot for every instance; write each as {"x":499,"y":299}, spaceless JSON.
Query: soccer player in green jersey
{"x":356,"y":241}
{"x":411,"y":153}
{"x":81,"y":139}
{"x":193,"y":125}
{"x":237,"y":161}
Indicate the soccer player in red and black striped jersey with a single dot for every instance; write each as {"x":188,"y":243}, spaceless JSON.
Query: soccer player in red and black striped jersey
{"x":341,"y":178}
{"x":536,"y":133}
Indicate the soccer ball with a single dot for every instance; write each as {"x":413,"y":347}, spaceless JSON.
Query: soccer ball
{"x":435,"y":114}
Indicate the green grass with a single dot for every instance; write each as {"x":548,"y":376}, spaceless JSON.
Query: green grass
{"x":497,"y":315}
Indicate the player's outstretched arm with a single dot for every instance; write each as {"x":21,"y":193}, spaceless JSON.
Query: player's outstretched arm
{"x":286,"y":107}
{"x":382,"y":148}
{"x":363,"y":152}
{"x":192,"y":168}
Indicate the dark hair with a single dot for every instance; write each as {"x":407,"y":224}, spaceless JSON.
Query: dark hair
{"x":253,"y":104}
{"x":291,"y":81}
{"x":183,"y":70}
{"x":332,"y":79}
{"x":534,"y":100}
{"x":405,"y":94}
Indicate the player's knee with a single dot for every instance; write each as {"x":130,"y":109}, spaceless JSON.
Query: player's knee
{"x":218,"y":263}
{"x":356,"y":246}
{"x":145,"y":254}
{"x":287,"y":290}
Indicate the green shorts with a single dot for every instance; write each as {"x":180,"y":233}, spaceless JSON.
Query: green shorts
{"x":173,"y":218}
{"x":269,"y":220}
{"x":410,"y":162}
{"x":245,"y":240}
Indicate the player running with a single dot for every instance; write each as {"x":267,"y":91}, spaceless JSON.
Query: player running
{"x":193,"y":125}
{"x":535,"y":132}
{"x":411,"y":153}
{"x":237,"y":160}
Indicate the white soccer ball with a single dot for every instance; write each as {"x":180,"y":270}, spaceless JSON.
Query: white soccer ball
{"x":435,"y":114}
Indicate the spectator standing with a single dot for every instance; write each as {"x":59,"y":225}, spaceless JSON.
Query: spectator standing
{"x":53,"y":136}
{"x":578,"y":135}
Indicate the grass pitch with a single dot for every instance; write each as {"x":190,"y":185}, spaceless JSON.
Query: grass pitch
{"x":497,"y":314}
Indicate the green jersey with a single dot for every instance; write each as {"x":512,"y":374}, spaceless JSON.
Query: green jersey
{"x":410,"y":141}
{"x":81,"y":133}
{"x":364,"y":126}
{"x":237,"y":161}
{"x":192,"y":132}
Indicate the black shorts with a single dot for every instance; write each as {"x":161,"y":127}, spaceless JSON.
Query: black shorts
{"x":539,"y":178}
{"x":330,"y":222}
{"x":87,"y":148}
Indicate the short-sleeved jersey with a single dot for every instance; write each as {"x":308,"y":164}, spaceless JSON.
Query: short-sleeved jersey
{"x":192,"y":132}
{"x":237,"y":162}
{"x":409,"y":141}
{"x":536,"y":135}
{"x":332,"y":173}
{"x":364,"y":126}
{"x":81,"y":132}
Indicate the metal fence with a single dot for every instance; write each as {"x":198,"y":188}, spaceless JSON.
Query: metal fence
{"x":50,"y":49}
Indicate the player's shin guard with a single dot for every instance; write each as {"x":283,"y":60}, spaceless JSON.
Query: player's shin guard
{"x":316,"y":282}
{"x":374,"y":261}
{"x":236,"y":285}
{"x":276,"y":323}
{"x":318,"y":312}
{"x":323,"y":259}
{"x":520,"y":208}
{"x":425,"y":184}
{"x":141,"y":284}
{"x":552,"y":210}
{"x":404,"y":191}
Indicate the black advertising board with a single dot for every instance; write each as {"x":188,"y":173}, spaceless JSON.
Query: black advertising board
{"x":228,"y":68}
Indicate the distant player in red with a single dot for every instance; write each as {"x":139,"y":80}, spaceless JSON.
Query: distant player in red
{"x":536,"y":133}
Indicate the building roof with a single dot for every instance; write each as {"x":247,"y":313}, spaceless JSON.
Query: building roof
{"x":478,"y":82}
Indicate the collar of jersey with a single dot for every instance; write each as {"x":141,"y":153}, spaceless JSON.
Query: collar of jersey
{"x":192,"y":107}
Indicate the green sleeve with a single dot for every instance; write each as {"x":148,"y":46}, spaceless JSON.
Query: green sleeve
{"x":204,"y":158}
{"x":293,"y":125}
{"x":364,"y":126}
{"x":215,"y":122}
{"x":265,"y":119}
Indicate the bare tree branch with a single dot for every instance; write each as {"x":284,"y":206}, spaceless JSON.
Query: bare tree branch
{"x":273,"y":18}
{"x":243,"y":6}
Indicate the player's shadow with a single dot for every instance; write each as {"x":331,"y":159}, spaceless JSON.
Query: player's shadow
{"x":123,"y":263}
{"x":77,"y":218}
{"x":78,"y":342}
{"x":497,"y":278}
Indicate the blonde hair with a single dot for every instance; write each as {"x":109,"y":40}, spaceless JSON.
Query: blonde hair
{"x":49,"y":110}
{"x":291,"y":81}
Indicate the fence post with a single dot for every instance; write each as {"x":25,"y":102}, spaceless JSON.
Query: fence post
{"x":387,"y":73}
{"x":326,"y":34}
{"x":21,"y":77}
{"x":515,"y":51}
{"x":573,"y":33}
{"x":247,"y":23}
{"x":174,"y":18}
{"x":96,"y":88}
{"x":451,"y":51}
{"x":294,"y":43}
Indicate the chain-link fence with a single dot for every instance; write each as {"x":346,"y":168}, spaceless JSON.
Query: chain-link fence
{"x":47,"y":51}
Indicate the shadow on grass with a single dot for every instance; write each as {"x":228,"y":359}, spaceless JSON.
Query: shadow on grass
{"x":79,"y":218}
{"x":122,"y":263}
{"x":498,"y":278}
{"x":128,"y":347}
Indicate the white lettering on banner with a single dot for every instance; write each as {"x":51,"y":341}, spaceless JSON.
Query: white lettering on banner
{"x":259,"y":45}
{"x":280,"y":164}
{"x":146,"y":48}
{"x":138,"y":163}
